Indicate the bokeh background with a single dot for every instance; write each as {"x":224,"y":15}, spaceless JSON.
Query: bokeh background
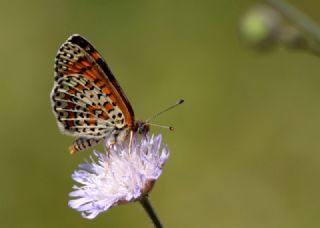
{"x":245,"y":152}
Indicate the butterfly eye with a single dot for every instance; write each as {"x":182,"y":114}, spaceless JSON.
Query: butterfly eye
{"x":143,"y":128}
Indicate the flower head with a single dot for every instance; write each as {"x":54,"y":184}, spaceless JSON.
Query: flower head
{"x":118,"y":176}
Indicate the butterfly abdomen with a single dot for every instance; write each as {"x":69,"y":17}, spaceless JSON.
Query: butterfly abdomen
{"x":82,"y":144}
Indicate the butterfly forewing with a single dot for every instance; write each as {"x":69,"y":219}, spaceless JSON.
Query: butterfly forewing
{"x":87,"y":100}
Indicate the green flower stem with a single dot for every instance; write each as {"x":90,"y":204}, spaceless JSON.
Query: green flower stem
{"x":150,"y":211}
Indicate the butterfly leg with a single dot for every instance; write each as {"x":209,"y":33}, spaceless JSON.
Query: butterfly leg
{"x":108,"y":146}
{"x":130,"y":141}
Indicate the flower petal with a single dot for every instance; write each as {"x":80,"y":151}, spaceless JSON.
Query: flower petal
{"x":121,"y":176}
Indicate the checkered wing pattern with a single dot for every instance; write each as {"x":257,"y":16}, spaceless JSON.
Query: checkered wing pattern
{"x":87,"y":100}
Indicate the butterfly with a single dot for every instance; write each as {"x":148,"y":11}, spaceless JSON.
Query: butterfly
{"x":87,"y":100}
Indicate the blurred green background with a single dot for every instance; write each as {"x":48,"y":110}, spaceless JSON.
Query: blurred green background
{"x":245,"y":152}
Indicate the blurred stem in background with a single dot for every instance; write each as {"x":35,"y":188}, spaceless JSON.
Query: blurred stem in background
{"x":263,"y":26}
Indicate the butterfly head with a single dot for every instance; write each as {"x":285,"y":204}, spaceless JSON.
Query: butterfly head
{"x":142,"y":127}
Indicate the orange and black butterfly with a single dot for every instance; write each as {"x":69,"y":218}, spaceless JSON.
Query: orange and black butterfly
{"x":87,"y":100}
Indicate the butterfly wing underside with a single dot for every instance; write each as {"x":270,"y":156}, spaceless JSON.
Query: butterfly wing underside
{"x":87,"y":100}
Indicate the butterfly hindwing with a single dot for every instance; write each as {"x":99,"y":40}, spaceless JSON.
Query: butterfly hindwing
{"x":83,"y":110}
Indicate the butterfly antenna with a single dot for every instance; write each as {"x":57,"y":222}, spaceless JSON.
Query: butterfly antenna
{"x":179,"y":102}
{"x":162,"y":126}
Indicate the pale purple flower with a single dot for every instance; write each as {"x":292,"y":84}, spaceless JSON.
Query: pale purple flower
{"x":118,"y":176}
